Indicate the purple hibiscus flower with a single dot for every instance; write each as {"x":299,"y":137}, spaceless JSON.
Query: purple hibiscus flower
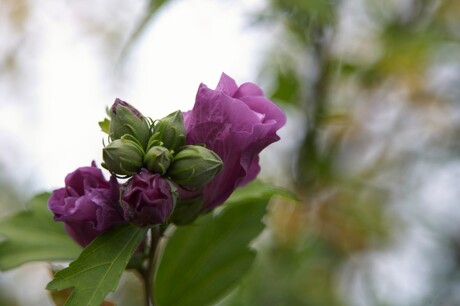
{"x":88,"y":204}
{"x":237,"y":123}
{"x":147,"y":199}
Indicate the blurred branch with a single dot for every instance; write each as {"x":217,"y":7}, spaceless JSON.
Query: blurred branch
{"x":311,"y":166}
{"x":153,"y":7}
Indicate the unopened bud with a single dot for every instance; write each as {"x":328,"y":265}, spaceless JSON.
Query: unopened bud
{"x":158,"y":159}
{"x":123,"y":156}
{"x":186,"y":211}
{"x":127,"y":120}
{"x":194,"y":166}
{"x":148,"y":199}
{"x":170,"y":131}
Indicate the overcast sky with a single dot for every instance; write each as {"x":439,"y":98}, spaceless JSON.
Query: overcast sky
{"x":56,"y":130}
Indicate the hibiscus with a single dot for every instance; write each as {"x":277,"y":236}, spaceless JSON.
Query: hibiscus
{"x":237,"y":123}
{"x":88,"y":204}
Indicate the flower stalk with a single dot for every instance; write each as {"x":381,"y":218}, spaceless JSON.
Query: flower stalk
{"x":147,"y":271}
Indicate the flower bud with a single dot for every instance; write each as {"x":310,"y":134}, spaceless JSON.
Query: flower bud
{"x":123,"y":156}
{"x":186,"y":210}
{"x":170,"y":131}
{"x":194,"y":166}
{"x":125,"y":119}
{"x":158,"y":159}
{"x":88,"y":204}
{"x":148,"y":199}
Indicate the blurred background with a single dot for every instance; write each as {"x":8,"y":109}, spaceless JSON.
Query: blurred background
{"x":371,"y":89}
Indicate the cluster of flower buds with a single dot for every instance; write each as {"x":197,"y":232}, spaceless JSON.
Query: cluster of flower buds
{"x":136,"y":142}
{"x":171,"y":177}
{"x":148,"y":151}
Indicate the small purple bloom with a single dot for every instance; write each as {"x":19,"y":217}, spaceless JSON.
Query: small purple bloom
{"x":237,"y":123}
{"x":147,"y":199}
{"x":88,"y":204}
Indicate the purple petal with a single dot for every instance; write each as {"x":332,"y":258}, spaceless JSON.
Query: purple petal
{"x":227,"y":85}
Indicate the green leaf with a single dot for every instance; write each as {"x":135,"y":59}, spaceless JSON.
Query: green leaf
{"x":98,"y":269}
{"x":287,"y":88}
{"x":257,"y":190}
{"x":105,"y":125}
{"x":202,"y":262}
{"x":33,"y":235}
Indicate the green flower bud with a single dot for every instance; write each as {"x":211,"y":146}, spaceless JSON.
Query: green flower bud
{"x":123,"y":156}
{"x":186,"y":211}
{"x":126,"y":120}
{"x":194,"y":166}
{"x":158,"y":159}
{"x":169,"y":131}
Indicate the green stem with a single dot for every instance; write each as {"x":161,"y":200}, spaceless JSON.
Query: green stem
{"x":147,"y":272}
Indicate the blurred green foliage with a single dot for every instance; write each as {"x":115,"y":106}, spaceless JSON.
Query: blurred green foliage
{"x":345,"y":172}
{"x":32,"y":235}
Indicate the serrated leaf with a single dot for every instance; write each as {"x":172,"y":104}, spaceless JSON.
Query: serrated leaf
{"x":98,"y":269}
{"x":60,"y":297}
{"x":33,"y":235}
{"x":203,"y":261}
